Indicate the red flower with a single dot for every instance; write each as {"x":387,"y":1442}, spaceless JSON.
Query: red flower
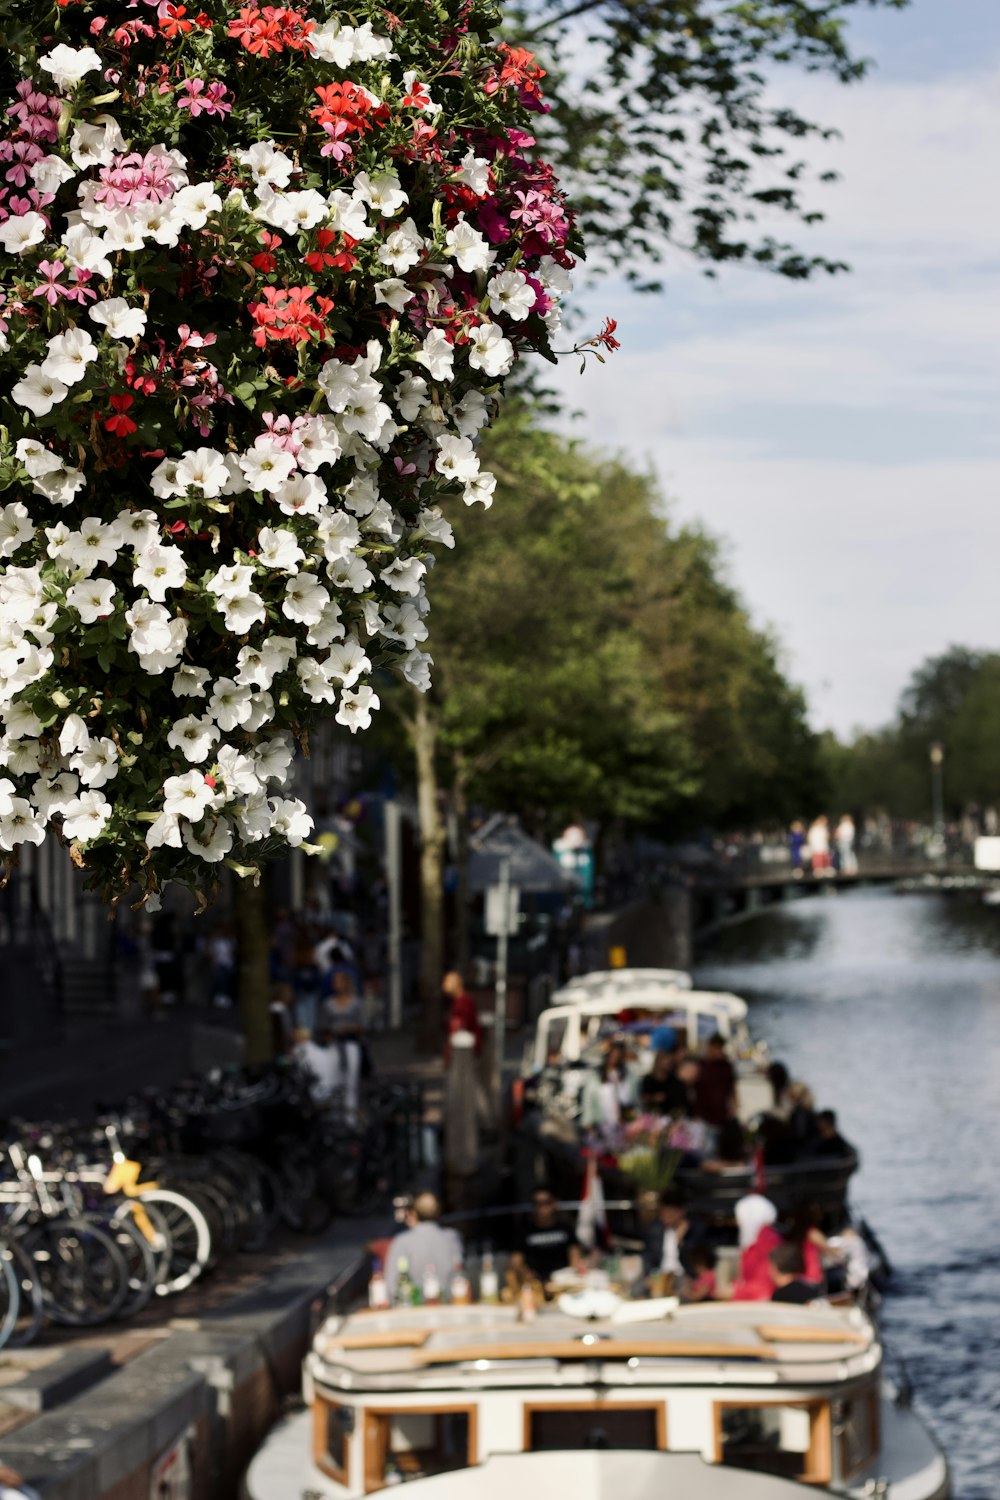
{"x":264,"y":261}
{"x":318,"y":259}
{"x":346,"y":103}
{"x":271,"y":29}
{"x":172,"y":23}
{"x":606,"y":337}
{"x":284,"y":316}
{"x":518,"y":69}
{"x":120,"y":424}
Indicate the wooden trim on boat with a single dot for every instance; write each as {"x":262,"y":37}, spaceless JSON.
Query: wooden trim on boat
{"x":321,"y":1451}
{"x":819,"y":1456}
{"x":603,"y":1349}
{"x":778,"y":1333}
{"x":658,"y":1408}
{"x":381,"y":1338}
{"x":375,"y":1429}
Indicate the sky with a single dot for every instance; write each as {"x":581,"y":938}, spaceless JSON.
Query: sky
{"x":841,"y":436}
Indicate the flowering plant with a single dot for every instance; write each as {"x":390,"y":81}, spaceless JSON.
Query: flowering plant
{"x":264,"y":273}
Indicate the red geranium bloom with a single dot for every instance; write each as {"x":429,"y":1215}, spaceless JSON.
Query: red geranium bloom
{"x":347,"y":103}
{"x":172,"y":23}
{"x":285,"y":315}
{"x":120,"y":424}
{"x":519,"y":69}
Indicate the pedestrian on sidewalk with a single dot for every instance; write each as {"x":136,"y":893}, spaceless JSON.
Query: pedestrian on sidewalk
{"x":462,"y":1012}
{"x":343,"y":1027}
{"x":844,"y":839}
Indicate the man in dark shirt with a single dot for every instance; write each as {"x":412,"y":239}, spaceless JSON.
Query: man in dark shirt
{"x":546,"y":1244}
{"x":715,"y":1091}
{"x":786,"y":1272}
{"x":828,"y":1140}
{"x":661,"y":1092}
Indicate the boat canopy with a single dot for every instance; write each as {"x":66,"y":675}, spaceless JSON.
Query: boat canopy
{"x":570,"y":1029}
{"x":621,"y":985}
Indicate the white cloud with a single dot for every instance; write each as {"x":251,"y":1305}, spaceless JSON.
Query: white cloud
{"x":843,"y":435}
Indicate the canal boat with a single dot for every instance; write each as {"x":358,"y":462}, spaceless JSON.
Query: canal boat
{"x":767,"y":1396}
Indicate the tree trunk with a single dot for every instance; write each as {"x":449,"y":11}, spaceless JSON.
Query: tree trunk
{"x":432,"y":842}
{"x":254,"y":982}
{"x":460,"y":792}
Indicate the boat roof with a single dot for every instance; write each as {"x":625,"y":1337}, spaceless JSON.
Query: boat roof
{"x":596,"y":1474}
{"x":481,"y":1346}
{"x":620,"y":982}
{"x":656,"y":998}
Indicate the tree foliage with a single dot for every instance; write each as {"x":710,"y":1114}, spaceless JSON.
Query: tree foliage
{"x":590,"y":660}
{"x":952,"y":700}
{"x":664,"y":123}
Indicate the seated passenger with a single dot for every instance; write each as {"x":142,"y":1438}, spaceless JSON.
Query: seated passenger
{"x":546,"y":1244}
{"x":788,"y":1276}
{"x":715,"y":1090}
{"x":424,"y":1245}
{"x":755,"y":1218}
{"x":801,"y":1117}
{"x":670,"y":1240}
{"x":700,"y":1285}
{"x":609,"y":1093}
{"x":730,"y":1154}
{"x":829,"y":1141}
{"x":661,"y":1092}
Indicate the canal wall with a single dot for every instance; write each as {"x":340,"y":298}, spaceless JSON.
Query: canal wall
{"x":184,"y":1418}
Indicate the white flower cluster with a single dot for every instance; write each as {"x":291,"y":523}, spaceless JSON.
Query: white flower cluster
{"x":328,"y":580}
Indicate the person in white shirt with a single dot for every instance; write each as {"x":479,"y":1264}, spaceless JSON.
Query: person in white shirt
{"x":318,"y":1063}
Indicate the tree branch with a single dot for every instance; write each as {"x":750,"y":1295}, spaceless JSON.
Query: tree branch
{"x":565,"y":15}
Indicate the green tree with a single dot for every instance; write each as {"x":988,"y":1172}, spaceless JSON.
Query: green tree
{"x":664,"y":124}
{"x":590,"y":660}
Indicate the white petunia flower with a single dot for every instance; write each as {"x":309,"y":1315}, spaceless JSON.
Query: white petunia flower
{"x":456,"y":458}
{"x":86,"y":817}
{"x":18,"y":824}
{"x":291,"y":820}
{"x":194,"y":738}
{"x":471,"y":414}
{"x":383,"y":192}
{"x":301,"y":495}
{"x":94,"y":543}
{"x":437,"y":355}
{"x":510,"y":293}
{"x":15,"y":528}
{"x":136,"y":528}
{"x":202,"y":469}
{"x":195,"y":202}
{"x":37,"y":391}
{"x":267,"y":164}
{"x":356,"y":708}
{"x":163,"y":480}
{"x":474,"y":173}
{"x":315,"y":680}
{"x":405,"y":575}
{"x":416,"y":669}
{"x":74,"y":735}
{"x":165,"y":831}
{"x":93,"y":599}
{"x":469,"y":248}
{"x":67,"y":65}
{"x":121,"y":321}
{"x":278,"y":549}
{"x":346,"y":215}
{"x":54,"y":794}
{"x":86,"y":251}
{"x":237,"y":772}
{"x":69,"y":355}
{"x":319,"y":442}
{"x":150,"y":626}
{"x":266,"y":467}
{"x":479,"y":491}
{"x":347,"y":661}
{"x":242,"y":612}
{"x":97,"y":763}
{"x":229,"y":704}
{"x":60,"y":485}
{"x":188,"y":796}
{"x":489,"y":351}
{"x":159,"y":568}
{"x":22,"y":232}
{"x":273,"y":758}
{"x":190,"y":682}
{"x":393,"y":293}
{"x":402,"y":248}
{"x":305,"y":598}
{"x":50,"y":172}
{"x":210,"y":843}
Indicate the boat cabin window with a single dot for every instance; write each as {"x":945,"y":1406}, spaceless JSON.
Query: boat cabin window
{"x":855,"y":1428}
{"x":789,"y":1439}
{"x":549,"y":1428}
{"x":412,"y":1444}
{"x":332,"y":1426}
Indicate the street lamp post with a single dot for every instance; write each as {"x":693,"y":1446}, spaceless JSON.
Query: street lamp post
{"x":937,"y":793}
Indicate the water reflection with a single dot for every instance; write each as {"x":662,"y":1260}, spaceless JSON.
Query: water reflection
{"x":889,"y":1007}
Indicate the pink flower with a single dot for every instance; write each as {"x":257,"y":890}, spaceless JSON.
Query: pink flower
{"x":192,"y":340}
{"x":135,"y":179}
{"x":204,"y":99}
{"x":37,"y":114}
{"x":50,"y":287}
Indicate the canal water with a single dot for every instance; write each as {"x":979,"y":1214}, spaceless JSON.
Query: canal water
{"x":889,"y":1008}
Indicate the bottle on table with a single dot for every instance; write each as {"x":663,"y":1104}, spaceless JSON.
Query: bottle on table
{"x":461,"y":1287}
{"x":378,"y":1292}
{"x":489,"y":1283}
{"x":405,"y":1288}
{"x":431,"y":1288}
{"x":528,"y":1308}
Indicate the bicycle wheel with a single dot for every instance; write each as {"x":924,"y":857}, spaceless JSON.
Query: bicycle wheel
{"x":140,"y":1260}
{"x":31,"y":1303}
{"x":10,"y":1297}
{"x":82,"y":1271}
{"x":189,"y":1237}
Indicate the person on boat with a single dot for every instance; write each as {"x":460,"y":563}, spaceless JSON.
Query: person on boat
{"x":424,"y":1245}
{"x":671,"y":1238}
{"x":462,"y":1012}
{"x":801,"y":1116}
{"x":828,"y":1140}
{"x":730,"y":1154}
{"x":788,"y":1276}
{"x":661,"y":1091}
{"x":715,"y":1089}
{"x":701,"y":1285}
{"x":609,"y":1093}
{"x":13,"y":1487}
{"x":547,"y":1245}
{"x":755,"y":1220}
